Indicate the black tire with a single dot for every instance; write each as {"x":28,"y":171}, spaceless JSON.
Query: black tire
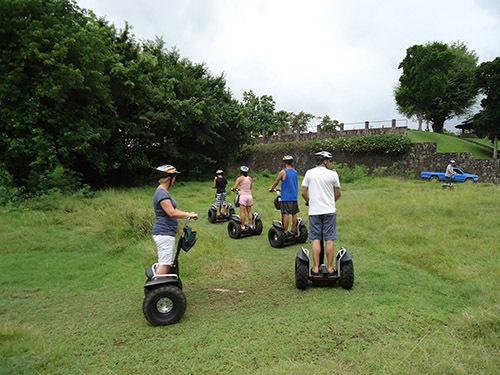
{"x":469,"y":180}
{"x":346,"y":279}
{"x":164,"y":305}
{"x":304,"y":234}
{"x":276,"y":237}
{"x":434,"y":179}
{"x":234,"y":229}
{"x":301,"y":274}
{"x":212,"y":216}
{"x":258,"y":227}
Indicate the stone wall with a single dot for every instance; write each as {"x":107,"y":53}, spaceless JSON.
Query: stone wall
{"x":402,"y":130}
{"x":420,"y":157}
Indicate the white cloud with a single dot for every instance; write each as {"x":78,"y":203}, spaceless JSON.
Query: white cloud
{"x":323,"y":57}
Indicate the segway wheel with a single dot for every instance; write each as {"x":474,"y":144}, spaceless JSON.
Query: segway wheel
{"x":212,"y":216}
{"x":234,"y":229}
{"x":231,"y":211}
{"x":258,"y":227}
{"x":165,"y":305}
{"x":303,"y":234}
{"x":346,"y":279}
{"x":301,"y":274}
{"x":276,"y":237}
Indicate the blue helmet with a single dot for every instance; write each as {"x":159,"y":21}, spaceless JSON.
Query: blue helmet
{"x":244,"y":168}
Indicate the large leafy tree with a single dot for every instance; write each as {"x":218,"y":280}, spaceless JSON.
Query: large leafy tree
{"x":487,"y":121}
{"x":259,"y":113}
{"x":437,"y":82}
{"x":80,"y":98}
{"x":55,"y":103}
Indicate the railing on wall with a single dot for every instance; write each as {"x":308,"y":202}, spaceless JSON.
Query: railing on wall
{"x":344,"y":130}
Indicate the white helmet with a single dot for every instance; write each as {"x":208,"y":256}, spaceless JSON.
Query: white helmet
{"x":322,"y":156}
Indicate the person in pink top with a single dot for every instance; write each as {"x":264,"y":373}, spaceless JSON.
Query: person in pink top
{"x":246,"y":200}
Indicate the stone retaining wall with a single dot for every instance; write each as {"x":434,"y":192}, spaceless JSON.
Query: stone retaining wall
{"x":420,"y":157}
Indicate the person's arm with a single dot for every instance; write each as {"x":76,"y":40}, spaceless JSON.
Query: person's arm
{"x":336,"y":192}
{"x":168,"y":207}
{"x":305,"y":194}
{"x":281,"y":177}
{"x":236,"y":184}
{"x":215,"y":184}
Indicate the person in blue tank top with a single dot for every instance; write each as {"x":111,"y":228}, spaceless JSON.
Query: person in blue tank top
{"x":167,"y":218}
{"x":289,"y":193}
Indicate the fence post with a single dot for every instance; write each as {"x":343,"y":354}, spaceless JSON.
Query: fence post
{"x":341,"y":127}
{"x":393,"y":122}
{"x":318,"y":128}
{"x":367,"y":125}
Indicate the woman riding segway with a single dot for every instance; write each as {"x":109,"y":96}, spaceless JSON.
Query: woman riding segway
{"x":167,"y":215}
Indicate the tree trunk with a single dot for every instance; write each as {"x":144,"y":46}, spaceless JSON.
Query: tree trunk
{"x":438,"y":125}
{"x":420,"y":119}
{"x":495,"y":145}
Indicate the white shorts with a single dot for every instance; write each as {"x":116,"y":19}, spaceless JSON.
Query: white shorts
{"x":166,"y":249}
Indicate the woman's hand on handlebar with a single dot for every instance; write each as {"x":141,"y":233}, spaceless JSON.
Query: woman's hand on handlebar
{"x":193,"y":215}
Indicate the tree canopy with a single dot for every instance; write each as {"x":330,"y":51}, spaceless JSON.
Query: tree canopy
{"x":437,"y":82}
{"x":487,"y":121}
{"x":80,"y":97}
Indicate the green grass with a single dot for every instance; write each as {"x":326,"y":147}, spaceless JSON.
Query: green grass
{"x":448,"y":143}
{"x":484,"y":141}
{"x":425,"y":299}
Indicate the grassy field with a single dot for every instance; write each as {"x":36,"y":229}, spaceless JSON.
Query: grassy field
{"x":447,"y":143}
{"x":425,"y":299}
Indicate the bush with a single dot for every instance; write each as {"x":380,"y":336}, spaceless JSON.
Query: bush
{"x":381,"y":144}
{"x":347,"y":174}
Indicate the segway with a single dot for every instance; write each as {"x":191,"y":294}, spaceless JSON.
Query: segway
{"x":164,"y":301}
{"x":236,"y":230}
{"x":212,"y":214}
{"x":449,"y":182}
{"x":234,"y":227}
{"x":276,"y":234}
{"x":344,"y":274}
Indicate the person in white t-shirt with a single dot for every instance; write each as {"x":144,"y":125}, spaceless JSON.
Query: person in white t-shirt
{"x":450,"y":172}
{"x":320,"y":190}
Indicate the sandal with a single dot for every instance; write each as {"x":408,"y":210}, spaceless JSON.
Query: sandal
{"x":314,"y":273}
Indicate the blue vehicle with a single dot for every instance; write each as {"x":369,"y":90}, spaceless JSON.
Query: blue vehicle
{"x":460,"y":176}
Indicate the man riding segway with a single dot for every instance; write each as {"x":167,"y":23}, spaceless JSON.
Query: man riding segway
{"x":288,"y":179}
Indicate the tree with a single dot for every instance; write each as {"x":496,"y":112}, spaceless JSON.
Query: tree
{"x":328,"y":125}
{"x":487,"y":121}
{"x":81,"y":100}
{"x":300,"y":121}
{"x":55,"y":103}
{"x":259,"y":112}
{"x":437,"y":83}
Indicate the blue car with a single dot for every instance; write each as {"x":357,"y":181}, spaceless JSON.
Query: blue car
{"x":460,"y":176}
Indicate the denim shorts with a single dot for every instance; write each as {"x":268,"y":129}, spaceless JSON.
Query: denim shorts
{"x":323,"y":227}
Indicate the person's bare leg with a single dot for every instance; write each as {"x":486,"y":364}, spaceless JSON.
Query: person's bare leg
{"x":286,"y":221}
{"x":330,"y":251}
{"x":294,"y":223}
{"x":316,"y":250}
{"x":162,"y":269}
{"x":250,"y":216}
{"x":243,"y":211}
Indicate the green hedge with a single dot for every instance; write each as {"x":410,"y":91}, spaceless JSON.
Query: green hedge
{"x":380,"y":144}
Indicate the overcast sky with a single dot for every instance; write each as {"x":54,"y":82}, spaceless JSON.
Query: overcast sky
{"x":336,"y":58}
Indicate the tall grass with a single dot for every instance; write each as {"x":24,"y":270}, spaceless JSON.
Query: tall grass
{"x":425,"y":298}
